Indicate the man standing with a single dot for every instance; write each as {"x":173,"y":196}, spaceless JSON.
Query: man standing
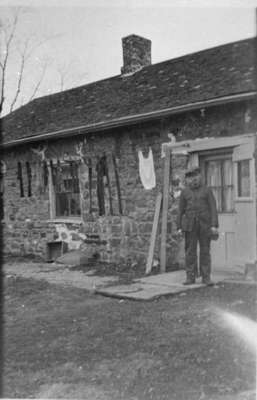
{"x":198,"y":219}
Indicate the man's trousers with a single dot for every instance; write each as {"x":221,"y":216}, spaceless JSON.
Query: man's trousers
{"x":192,"y":238}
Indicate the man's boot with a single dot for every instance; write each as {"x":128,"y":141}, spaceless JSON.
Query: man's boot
{"x":190,"y":280}
{"x":207,"y":281}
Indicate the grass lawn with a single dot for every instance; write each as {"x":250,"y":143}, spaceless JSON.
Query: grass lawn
{"x":62,"y":342}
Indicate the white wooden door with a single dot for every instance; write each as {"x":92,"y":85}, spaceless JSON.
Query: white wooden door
{"x":218,"y":172}
{"x":222,"y":250}
{"x":245,"y":204}
{"x":231,"y":176}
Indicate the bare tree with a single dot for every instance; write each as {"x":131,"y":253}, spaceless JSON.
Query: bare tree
{"x":19,"y":54}
{"x":66,"y":72}
{"x":38,"y":83}
{"x":24,"y":52}
{"x":7,"y":38}
{"x":63,"y":71}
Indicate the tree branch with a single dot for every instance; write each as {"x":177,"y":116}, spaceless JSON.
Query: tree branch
{"x":21,"y":71}
{"x":63,"y":71}
{"x":37,"y":86}
{"x":3,"y":65}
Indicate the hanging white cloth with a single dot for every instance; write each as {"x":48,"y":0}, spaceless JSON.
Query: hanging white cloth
{"x":146,"y":170}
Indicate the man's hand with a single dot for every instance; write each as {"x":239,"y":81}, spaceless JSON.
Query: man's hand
{"x":179,"y":232}
{"x":214,"y":229}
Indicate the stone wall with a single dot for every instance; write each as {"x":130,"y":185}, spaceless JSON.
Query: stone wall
{"x":25,"y":226}
{"x":255,"y":159}
{"x":112,"y":237}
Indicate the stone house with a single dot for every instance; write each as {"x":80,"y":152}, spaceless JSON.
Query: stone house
{"x":71,"y":161}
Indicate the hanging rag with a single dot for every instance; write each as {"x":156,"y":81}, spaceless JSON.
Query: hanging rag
{"x":19,"y":177}
{"x":29,"y":177}
{"x":146,"y":170}
{"x":100,"y":170}
{"x":45,"y":175}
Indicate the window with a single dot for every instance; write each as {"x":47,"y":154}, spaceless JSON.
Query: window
{"x":66,"y":190}
{"x":218,"y":174}
{"x":243,"y":178}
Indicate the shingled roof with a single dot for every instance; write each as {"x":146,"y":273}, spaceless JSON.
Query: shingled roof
{"x":213,"y":73}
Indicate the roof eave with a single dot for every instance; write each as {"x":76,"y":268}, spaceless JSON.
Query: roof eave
{"x":129,"y":120}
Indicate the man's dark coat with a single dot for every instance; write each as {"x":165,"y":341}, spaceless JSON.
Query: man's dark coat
{"x":197,"y":204}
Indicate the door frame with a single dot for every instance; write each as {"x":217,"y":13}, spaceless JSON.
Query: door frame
{"x":243,"y":147}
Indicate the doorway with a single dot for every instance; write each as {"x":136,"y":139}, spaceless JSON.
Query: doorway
{"x":230,"y":172}
{"x":218,"y":173}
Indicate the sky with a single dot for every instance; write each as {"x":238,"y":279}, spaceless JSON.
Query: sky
{"x":82,"y":42}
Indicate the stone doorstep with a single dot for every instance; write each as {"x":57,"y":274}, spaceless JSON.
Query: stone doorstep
{"x":166,"y":279}
{"x":154,"y":286}
{"x":143,"y":291}
{"x":150,"y":287}
{"x":175,"y":278}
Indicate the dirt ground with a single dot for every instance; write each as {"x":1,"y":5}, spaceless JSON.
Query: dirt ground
{"x":63,"y":342}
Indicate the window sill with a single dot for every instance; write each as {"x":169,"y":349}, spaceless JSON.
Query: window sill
{"x":230,"y":213}
{"x":66,"y":220}
{"x":244,"y":200}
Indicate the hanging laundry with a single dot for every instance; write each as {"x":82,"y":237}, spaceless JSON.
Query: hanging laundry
{"x":146,"y":170}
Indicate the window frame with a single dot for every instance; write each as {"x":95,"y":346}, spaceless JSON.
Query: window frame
{"x":251,"y":179}
{"x":52,"y":195}
{"x":224,"y":154}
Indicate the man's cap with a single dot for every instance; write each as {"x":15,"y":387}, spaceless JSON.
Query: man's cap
{"x":192,"y":172}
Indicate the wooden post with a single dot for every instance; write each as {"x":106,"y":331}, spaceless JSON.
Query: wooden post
{"x":51,"y":191}
{"x":108,"y":184}
{"x":166,"y":182}
{"x":90,"y":183}
{"x":117,"y":183}
{"x":154,"y":233}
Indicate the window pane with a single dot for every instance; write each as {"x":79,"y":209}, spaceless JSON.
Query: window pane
{"x":227,"y":186}
{"x":213,"y":180}
{"x":227,"y":167}
{"x":62,"y":205}
{"x":244,"y":178}
{"x":218,"y":197}
{"x":228,"y":199}
{"x":213,"y":174}
{"x":67,"y":185}
{"x":75,"y":204}
{"x":219,"y":177}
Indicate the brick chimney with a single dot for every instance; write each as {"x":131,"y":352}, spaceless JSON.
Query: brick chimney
{"x":136,"y":53}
